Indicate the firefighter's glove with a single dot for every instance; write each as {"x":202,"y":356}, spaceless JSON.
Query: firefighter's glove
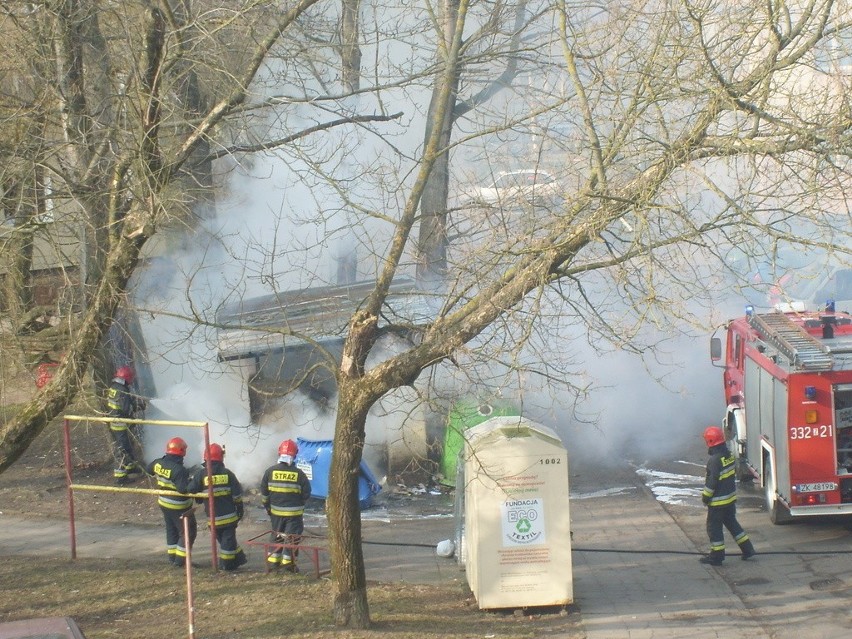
{"x":705,"y":499}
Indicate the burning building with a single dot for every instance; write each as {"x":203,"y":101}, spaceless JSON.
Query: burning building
{"x":290,"y":343}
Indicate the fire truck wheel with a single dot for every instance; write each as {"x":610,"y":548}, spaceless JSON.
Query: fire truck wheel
{"x":778,"y":513}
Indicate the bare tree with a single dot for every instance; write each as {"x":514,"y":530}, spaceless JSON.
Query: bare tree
{"x":119,"y":139}
{"x":664,"y":106}
{"x":126,"y":118}
{"x":692,"y":128}
{"x":432,"y":238}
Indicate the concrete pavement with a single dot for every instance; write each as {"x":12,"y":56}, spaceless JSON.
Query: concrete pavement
{"x":637,"y":576}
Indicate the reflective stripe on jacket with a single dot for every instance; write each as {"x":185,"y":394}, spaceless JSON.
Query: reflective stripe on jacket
{"x":120,"y":403}
{"x":284,"y":490}
{"x":227,"y":493}
{"x":171,"y":475}
{"x":720,"y":483}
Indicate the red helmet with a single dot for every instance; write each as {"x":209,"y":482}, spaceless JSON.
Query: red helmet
{"x":176,"y":446}
{"x":714,"y":436}
{"x":215,"y":453}
{"x":126,"y":373}
{"x":288,"y":447}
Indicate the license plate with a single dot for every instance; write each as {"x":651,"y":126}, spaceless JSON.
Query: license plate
{"x":817,"y":487}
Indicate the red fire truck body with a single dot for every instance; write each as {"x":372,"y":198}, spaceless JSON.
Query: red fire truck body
{"x":788,"y":390}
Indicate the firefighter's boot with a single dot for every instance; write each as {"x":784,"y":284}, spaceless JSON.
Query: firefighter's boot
{"x":715,"y":558}
{"x":747,"y":549}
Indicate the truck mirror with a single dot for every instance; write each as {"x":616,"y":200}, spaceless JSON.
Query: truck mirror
{"x":715,"y":349}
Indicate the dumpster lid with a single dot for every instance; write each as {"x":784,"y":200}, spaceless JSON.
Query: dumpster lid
{"x":509,"y":427}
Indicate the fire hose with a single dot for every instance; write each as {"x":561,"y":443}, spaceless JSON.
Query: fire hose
{"x":649,"y":551}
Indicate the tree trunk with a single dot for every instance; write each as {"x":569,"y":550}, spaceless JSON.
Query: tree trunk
{"x":432,"y":241}
{"x":347,"y":558}
{"x":344,"y":515}
{"x":22,"y":203}
{"x":350,"y":49}
{"x":196,"y":178}
{"x":18,"y":254}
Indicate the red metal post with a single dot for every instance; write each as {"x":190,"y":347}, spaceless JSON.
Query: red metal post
{"x":69,"y":481}
{"x":210,"y":501}
{"x":190,"y":601}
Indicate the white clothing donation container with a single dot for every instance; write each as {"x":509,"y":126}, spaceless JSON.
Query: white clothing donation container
{"x":516,"y":525}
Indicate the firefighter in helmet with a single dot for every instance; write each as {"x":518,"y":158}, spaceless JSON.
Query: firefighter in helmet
{"x":123,"y":404}
{"x":171,"y":475}
{"x":284,"y":490}
{"x":720,"y":497}
{"x":227,"y":504}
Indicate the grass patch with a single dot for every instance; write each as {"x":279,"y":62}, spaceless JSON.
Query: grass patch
{"x":136,"y":600}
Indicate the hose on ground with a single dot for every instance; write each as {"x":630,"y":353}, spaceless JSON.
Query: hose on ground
{"x":649,"y":551}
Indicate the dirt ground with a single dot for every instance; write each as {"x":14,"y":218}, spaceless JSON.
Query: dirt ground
{"x":35,"y":485}
{"x":133,"y":599}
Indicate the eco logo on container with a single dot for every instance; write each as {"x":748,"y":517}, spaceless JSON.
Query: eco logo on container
{"x":523,"y":522}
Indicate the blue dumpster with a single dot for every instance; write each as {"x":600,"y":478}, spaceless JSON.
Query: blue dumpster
{"x":314,"y":457}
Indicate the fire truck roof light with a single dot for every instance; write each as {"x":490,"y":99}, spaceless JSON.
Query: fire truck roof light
{"x":829,"y":306}
{"x":810,"y":392}
{"x":749,"y":310}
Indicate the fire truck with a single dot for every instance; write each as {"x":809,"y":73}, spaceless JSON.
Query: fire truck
{"x":788,"y":390}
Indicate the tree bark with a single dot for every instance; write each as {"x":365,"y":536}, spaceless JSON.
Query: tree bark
{"x":350,"y":48}
{"x":351,"y":608}
{"x":18,"y":247}
{"x":432,"y":240}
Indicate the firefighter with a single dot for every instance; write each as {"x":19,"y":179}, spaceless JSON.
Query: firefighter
{"x":227,"y":504}
{"x":173,"y":476}
{"x":720,"y":497}
{"x":284,"y":491}
{"x":122,"y":403}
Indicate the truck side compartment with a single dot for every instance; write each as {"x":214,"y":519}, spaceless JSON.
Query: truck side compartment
{"x":788,"y":391}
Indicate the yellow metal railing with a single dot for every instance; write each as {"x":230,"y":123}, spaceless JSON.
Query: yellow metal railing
{"x":71,"y":486}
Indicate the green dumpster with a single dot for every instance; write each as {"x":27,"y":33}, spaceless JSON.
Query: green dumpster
{"x":465,"y":414}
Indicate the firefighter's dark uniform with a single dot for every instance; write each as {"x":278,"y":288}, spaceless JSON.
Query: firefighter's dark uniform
{"x":227,"y":507}
{"x":284,"y":491}
{"x":720,"y":497}
{"x":172,"y":475}
{"x":121,"y":403}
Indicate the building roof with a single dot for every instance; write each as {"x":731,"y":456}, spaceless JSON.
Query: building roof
{"x":254,"y":326}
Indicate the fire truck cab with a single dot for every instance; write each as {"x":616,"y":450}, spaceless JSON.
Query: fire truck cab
{"x":788,"y":390}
